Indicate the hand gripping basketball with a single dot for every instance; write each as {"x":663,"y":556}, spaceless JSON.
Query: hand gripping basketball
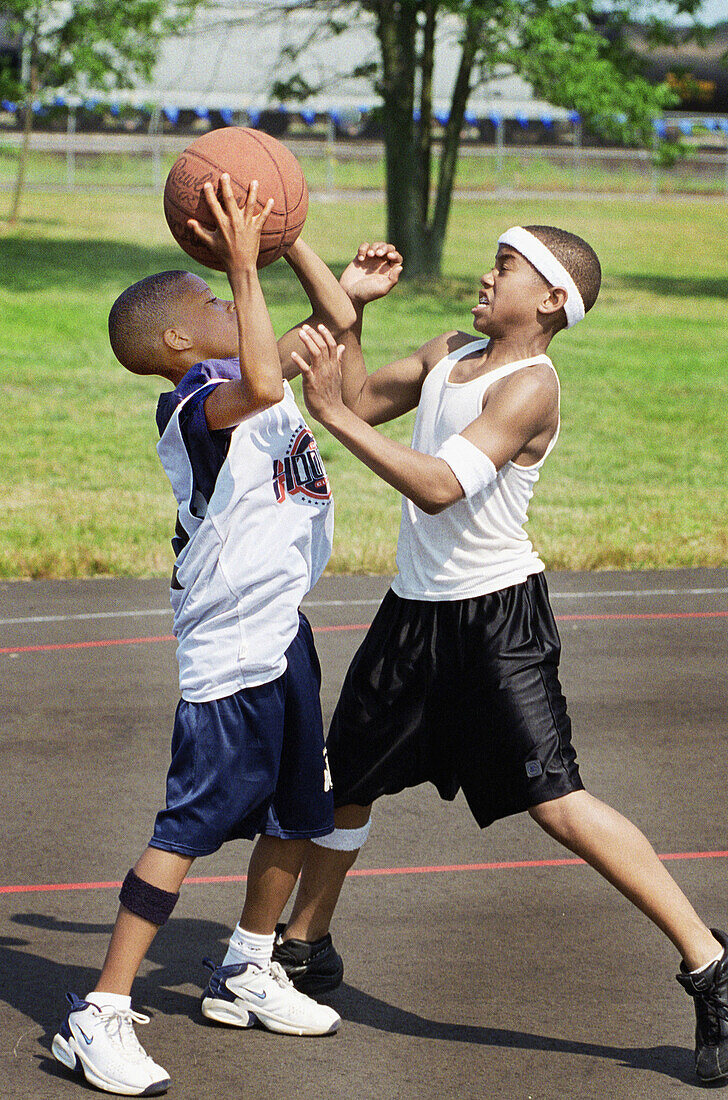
{"x":236,"y":240}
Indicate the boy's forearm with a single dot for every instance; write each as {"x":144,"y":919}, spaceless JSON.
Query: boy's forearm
{"x":260,"y":366}
{"x":353,"y":368}
{"x":261,"y":380}
{"x":330,"y":303}
{"x":427,"y":481}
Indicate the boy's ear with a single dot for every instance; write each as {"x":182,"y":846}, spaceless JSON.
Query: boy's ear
{"x":553,"y":301}
{"x":176,"y":339}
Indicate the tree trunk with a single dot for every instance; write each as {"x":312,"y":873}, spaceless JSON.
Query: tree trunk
{"x":22,"y":162}
{"x":32,"y":92}
{"x":396,"y":29}
{"x":423,"y":123}
{"x":408,"y":143}
{"x":451,"y":142}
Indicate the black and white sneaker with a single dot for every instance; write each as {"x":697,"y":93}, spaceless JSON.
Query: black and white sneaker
{"x":709,"y":990}
{"x":314,"y":968}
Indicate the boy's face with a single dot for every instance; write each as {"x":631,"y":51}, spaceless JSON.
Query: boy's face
{"x":210,"y":322}
{"x":509,"y":294}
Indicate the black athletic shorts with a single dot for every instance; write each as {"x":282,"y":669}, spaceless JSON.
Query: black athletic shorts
{"x":464,"y":694}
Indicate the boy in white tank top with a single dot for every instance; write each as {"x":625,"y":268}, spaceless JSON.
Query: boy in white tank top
{"x":473,"y":702}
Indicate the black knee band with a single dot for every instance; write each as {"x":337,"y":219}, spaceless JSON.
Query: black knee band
{"x":146,"y":901}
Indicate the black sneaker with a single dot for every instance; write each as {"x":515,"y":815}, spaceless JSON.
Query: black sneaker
{"x":312,"y":967}
{"x":709,"y":990}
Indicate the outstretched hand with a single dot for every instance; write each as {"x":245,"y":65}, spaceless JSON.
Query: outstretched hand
{"x":372,"y":273}
{"x":236,"y":241}
{"x":322,"y":376}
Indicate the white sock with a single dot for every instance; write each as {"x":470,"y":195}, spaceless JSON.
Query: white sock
{"x":247,"y":947}
{"x":694,"y":973}
{"x":108,"y":1000}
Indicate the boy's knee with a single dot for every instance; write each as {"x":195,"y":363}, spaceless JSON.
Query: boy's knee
{"x":351,"y":830}
{"x":555,"y":816}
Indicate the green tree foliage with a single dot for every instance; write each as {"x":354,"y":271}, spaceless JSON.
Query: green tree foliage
{"x":81,"y":46}
{"x":575,"y":53}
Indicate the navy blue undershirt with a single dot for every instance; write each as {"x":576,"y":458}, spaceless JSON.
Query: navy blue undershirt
{"x":207,"y":450}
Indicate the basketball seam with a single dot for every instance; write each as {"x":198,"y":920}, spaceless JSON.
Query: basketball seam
{"x":203,"y":252}
{"x":289,"y":210}
{"x":278,"y":172}
{"x":262,"y":145}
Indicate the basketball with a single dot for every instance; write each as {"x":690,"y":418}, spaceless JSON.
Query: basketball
{"x":245,"y":155}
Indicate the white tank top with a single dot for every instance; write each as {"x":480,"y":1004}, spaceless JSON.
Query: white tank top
{"x":478,"y":544}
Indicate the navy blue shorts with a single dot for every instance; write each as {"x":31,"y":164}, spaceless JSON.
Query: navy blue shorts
{"x":252,"y":763}
{"x":464,"y":694}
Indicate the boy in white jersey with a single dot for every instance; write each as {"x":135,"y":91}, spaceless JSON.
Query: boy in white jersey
{"x":253,"y":535}
{"x":457,"y":681}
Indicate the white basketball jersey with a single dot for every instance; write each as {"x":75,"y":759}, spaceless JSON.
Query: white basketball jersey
{"x":252,"y":537}
{"x":478,"y":544}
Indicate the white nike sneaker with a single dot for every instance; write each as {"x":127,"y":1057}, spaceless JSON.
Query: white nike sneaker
{"x":243,"y":993}
{"x":102,"y":1043}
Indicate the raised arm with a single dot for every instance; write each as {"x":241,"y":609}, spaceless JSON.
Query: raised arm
{"x":330,"y":304}
{"x":395,"y":389}
{"x":236,"y":242}
{"x":516,"y":423}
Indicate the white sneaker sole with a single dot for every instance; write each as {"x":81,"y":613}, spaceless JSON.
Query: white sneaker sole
{"x":70,"y":1055}
{"x":225,"y":1012}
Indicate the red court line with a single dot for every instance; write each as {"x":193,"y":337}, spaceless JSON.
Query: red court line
{"x":85,"y":645}
{"x":357,"y":626}
{"x":507,"y":865}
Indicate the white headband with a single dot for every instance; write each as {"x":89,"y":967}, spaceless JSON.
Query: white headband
{"x":547,"y":265}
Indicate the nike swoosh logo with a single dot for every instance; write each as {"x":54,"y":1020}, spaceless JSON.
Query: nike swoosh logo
{"x":260,"y":996}
{"x":85,"y":1036}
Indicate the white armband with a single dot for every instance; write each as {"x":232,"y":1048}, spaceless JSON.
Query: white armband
{"x":471,"y":466}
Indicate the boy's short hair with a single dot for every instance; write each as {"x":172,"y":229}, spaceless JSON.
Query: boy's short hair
{"x":139,"y":316}
{"x":578,"y":257}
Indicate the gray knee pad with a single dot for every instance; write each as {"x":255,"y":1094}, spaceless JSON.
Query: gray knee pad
{"x":344,"y":840}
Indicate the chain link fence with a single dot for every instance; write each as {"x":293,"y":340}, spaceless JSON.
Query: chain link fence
{"x":340,"y":165}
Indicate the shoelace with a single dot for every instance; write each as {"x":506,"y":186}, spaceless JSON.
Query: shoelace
{"x":279,"y":975}
{"x":119,"y":1022}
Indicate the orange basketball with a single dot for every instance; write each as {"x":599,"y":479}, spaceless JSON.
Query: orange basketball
{"x":245,"y":155}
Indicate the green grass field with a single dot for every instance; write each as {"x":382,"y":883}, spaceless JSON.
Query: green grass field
{"x":637,"y":480}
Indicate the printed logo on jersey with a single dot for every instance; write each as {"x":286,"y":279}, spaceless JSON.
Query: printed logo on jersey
{"x":301,"y":471}
{"x":328,"y":785}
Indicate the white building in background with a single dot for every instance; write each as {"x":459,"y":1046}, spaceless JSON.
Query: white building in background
{"x":224,"y":66}
{"x":234,"y":52}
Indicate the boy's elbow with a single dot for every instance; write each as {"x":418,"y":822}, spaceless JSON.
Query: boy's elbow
{"x":442,"y":492}
{"x":270,"y":394}
{"x":434,"y":503}
{"x":350,"y":314}
{"x":343,"y":318}
{"x":433,"y":507}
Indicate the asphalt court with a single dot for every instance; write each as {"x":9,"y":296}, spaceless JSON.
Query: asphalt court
{"x":486,"y":965}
